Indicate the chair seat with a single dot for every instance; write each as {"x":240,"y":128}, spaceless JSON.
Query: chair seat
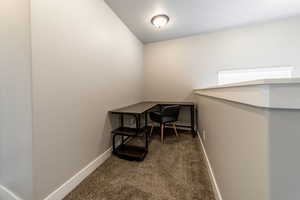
{"x":161,"y":118}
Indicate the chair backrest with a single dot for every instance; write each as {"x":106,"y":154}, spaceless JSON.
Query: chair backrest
{"x":171,"y":110}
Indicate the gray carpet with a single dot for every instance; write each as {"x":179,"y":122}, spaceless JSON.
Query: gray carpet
{"x":172,"y":171}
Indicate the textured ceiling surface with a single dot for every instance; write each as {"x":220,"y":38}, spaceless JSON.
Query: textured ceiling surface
{"x":189,"y":17}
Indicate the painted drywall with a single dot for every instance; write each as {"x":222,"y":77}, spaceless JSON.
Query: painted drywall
{"x":237,"y":143}
{"x":85,"y":62}
{"x":15,"y":99}
{"x":284,"y":154}
{"x":174,"y":68}
{"x":252,"y":150}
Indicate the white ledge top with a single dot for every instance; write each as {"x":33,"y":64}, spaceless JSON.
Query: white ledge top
{"x":265,"y":93}
{"x":256,"y":82}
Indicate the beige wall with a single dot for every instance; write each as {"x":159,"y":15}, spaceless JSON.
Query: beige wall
{"x":237,"y":144}
{"x":85,"y":62}
{"x":174,"y":68}
{"x":284,"y":154}
{"x":15,"y":98}
{"x":253,"y":150}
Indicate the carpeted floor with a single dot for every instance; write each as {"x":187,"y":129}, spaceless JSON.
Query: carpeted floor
{"x":172,"y":171}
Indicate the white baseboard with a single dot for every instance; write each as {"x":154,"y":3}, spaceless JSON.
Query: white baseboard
{"x":216,"y":189}
{"x":74,"y":181}
{"x":6,"y":194}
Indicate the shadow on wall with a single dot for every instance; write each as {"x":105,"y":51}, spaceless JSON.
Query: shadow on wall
{"x":111,"y":122}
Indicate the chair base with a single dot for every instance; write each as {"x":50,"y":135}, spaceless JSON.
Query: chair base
{"x":162,"y":127}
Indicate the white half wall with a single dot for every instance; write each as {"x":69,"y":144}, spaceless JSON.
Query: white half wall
{"x":174,"y":68}
{"x":284,"y":154}
{"x":253,"y":150}
{"x":15,"y":99}
{"x":85,"y":62}
{"x":236,"y":139}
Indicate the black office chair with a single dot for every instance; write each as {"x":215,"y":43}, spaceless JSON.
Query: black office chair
{"x":169,"y":114}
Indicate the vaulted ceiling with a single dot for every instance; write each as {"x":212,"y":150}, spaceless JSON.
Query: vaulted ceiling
{"x":189,"y":17}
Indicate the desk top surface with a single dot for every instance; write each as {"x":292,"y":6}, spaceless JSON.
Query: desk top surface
{"x":144,"y":106}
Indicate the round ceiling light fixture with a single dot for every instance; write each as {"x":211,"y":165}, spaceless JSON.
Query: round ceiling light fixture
{"x":160,"y":21}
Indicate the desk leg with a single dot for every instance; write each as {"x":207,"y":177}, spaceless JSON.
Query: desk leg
{"x":146,"y":129}
{"x":193,"y":120}
{"x":122,"y":125}
{"x":146,"y":119}
{"x":146,"y":138}
{"x":114,"y":144}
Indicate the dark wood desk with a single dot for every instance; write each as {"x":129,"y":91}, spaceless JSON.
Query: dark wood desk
{"x":137,"y":110}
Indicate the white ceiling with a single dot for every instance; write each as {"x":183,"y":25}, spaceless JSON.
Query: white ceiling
{"x":189,"y":17}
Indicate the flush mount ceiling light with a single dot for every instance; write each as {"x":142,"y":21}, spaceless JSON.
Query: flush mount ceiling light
{"x":160,"y":21}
